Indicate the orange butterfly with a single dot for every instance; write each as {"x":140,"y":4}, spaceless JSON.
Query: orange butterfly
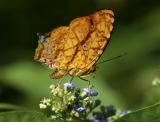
{"x":75,"y":49}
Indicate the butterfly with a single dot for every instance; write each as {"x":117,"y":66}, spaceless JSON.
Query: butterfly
{"x":75,"y":49}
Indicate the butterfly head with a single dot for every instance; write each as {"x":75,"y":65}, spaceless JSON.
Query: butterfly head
{"x":43,"y":51}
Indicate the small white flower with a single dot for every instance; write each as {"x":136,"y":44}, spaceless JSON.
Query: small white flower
{"x":52,"y":86}
{"x":69,"y":85}
{"x":72,"y":98}
{"x":42,"y":106}
{"x":156,"y":82}
{"x":53,"y":117}
{"x":56,"y":111}
{"x":46,"y":101}
{"x":53,"y":108}
{"x":86,"y":99}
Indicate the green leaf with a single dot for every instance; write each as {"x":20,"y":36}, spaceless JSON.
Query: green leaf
{"x":9,"y":107}
{"x":27,"y":116}
{"x":21,"y":116}
{"x":148,"y":114}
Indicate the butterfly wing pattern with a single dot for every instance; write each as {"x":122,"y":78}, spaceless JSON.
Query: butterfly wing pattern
{"x":74,"y":49}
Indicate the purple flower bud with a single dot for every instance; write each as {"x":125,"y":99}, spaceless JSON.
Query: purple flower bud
{"x":80,"y":109}
{"x":93,"y":120}
{"x":103,"y":119}
{"x":94,"y":94}
{"x":69,"y":85}
{"x":89,"y":91}
{"x":111,"y":111}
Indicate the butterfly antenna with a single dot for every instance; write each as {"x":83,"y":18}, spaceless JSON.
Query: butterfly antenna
{"x":119,"y":56}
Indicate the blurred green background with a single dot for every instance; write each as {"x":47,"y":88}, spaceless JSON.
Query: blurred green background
{"x":124,"y":82}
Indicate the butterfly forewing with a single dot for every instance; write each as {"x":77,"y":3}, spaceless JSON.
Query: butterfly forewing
{"x":74,"y":49}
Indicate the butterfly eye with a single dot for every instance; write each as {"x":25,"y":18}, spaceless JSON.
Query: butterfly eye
{"x":42,"y":37}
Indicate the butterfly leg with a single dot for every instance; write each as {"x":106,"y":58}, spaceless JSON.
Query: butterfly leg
{"x":85,"y":80}
{"x":72,"y":77}
{"x":57,"y":74}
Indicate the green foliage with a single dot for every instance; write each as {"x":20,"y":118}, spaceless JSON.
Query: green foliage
{"x":9,"y":107}
{"x":23,"y":116}
{"x":148,"y":114}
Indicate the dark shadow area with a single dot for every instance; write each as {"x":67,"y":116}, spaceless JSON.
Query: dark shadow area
{"x":11,"y":95}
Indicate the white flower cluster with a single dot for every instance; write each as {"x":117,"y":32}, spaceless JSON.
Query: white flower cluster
{"x":68,"y":102}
